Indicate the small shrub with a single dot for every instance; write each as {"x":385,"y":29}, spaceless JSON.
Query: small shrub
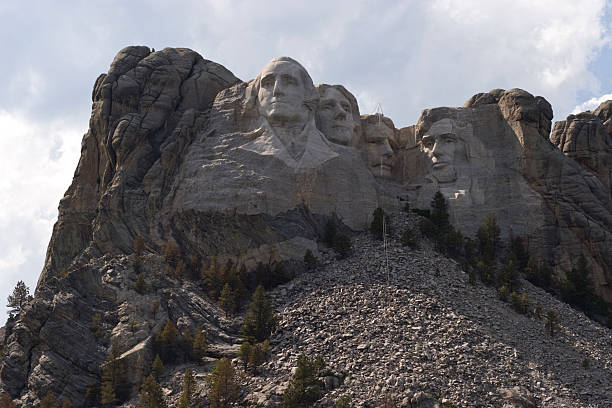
{"x":342,"y":245}
{"x":345,"y":401}
{"x":552,"y":322}
{"x":410,"y":238}
{"x":310,"y":260}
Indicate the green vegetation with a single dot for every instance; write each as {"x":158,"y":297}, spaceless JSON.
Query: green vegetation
{"x":188,"y":389}
{"x":341,"y":243}
{"x":305,"y":388}
{"x":410,"y":238}
{"x":260,"y":320}
{"x":224,"y":388}
{"x":49,"y":401}
{"x":114,"y":387}
{"x":157,"y":368}
{"x":380,"y":224}
{"x":345,"y":402}
{"x":552,"y":322}
{"x":151,"y":394}
{"x":6,"y":401}
{"x":17,"y":299}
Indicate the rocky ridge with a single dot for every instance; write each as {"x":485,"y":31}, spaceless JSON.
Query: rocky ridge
{"x":178,"y":152}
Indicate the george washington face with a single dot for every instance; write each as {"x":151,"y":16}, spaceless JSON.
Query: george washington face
{"x":282,"y":93}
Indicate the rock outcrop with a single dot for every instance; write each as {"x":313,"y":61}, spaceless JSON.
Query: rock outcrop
{"x":181,"y":153}
{"x":494,"y":156}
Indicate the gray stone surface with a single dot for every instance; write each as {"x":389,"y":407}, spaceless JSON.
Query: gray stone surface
{"x":181,"y":150}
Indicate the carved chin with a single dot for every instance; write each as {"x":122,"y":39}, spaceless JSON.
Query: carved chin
{"x":340,"y":135}
{"x":445,"y":174}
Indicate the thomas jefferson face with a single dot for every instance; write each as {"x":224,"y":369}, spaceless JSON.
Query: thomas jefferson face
{"x":282,"y":93}
{"x":441,"y":145}
{"x":378,"y":148}
{"x":336,"y":117}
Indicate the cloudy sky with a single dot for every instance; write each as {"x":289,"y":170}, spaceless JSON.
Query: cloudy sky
{"x":407,"y":55}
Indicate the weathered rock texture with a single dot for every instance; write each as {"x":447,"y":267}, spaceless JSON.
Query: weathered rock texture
{"x":180,"y":151}
{"x":502,"y":162}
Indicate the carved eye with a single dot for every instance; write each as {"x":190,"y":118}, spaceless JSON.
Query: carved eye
{"x":268,"y":81}
{"x":326,"y":106}
{"x":346,"y":107}
{"x":289,"y":80}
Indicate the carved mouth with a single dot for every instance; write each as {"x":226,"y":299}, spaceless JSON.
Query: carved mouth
{"x":439,"y":165}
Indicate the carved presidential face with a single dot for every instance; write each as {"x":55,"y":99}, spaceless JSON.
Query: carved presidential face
{"x":378,"y":137}
{"x":282,"y":93}
{"x":335,"y":117}
{"x":444,"y":149}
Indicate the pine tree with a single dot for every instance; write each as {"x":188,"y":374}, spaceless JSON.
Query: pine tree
{"x":510,"y":274}
{"x":16,"y":300}
{"x":172,"y":253}
{"x":260,"y":320}
{"x":552,"y":322}
{"x":141,"y":285}
{"x":488,"y":238}
{"x":226,"y":300}
{"x":67,"y":404}
{"x":342,"y":245}
{"x":188,"y":389}
{"x":167,"y":342}
{"x":380,"y":223}
{"x":49,"y":401}
{"x":139,"y":245}
{"x":199,"y":344}
{"x":151,"y":394}
{"x":114,"y":381}
{"x":157,"y":368}
{"x":576,"y":288}
{"x":305,"y":388}
{"x":224,"y":388}
{"x":6,"y":401}
{"x":243,"y":354}
{"x":256,"y":358}
{"x":439,"y":213}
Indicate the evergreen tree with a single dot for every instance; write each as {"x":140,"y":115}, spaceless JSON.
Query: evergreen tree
{"x":166,"y":342}
{"x":188,"y":389}
{"x":151,"y":394}
{"x":342,"y":245}
{"x":520,"y":250}
{"x":92,"y":394}
{"x":488,"y":238}
{"x":410,"y":238}
{"x":211,"y":279}
{"x":256,"y":358}
{"x":552,"y":322}
{"x":243,"y":354}
{"x":49,"y":401}
{"x":16,"y":300}
{"x":439,"y":213}
{"x":380,"y":223}
{"x":6,"y":401}
{"x":96,"y":325}
{"x":199,"y":344}
{"x":114,"y":379}
{"x":330,"y":232}
{"x":172,"y":253}
{"x":224,"y":388}
{"x":576,"y":288}
{"x":510,"y":274}
{"x":157,"y":368}
{"x":226,"y":300}
{"x":260,"y":320}
{"x":67,"y":404}
{"x":139,"y":245}
{"x":305,"y":387}
{"x":141,"y":285}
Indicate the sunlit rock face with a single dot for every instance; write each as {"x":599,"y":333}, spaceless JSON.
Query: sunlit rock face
{"x":494,"y":156}
{"x":587,"y":138}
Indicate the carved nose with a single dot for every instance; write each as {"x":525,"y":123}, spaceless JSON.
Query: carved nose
{"x":341,"y":115}
{"x":278,"y":88}
{"x":387,"y":150}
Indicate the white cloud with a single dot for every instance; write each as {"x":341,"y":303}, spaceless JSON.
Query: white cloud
{"x":39,"y":160}
{"x":591,"y":104}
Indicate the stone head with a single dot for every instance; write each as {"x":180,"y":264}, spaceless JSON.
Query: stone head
{"x":444,"y":148}
{"x":283,"y":93}
{"x":378,"y":142}
{"x":338,"y":115}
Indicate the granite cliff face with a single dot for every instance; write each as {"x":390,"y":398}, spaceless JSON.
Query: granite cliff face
{"x":181,"y":151}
